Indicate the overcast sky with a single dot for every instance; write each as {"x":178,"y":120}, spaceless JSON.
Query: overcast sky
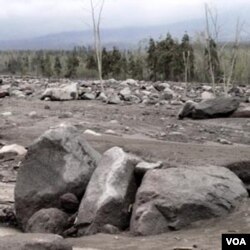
{"x":29,"y":18}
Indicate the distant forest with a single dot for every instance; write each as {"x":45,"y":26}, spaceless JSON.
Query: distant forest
{"x":165,"y":59}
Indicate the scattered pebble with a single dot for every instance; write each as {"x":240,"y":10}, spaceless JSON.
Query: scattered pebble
{"x":224,"y":141}
{"x":6,"y":114}
{"x":91,"y":132}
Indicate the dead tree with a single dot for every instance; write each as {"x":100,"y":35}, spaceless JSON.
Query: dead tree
{"x":96,"y":13}
{"x":186,"y":60}
{"x":219,"y":52}
{"x":209,"y":15}
{"x":228,"y":74}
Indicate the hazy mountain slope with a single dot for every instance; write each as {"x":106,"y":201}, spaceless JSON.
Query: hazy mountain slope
{"x":130,"y":36}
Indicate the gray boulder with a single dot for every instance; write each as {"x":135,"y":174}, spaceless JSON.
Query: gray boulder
{"x":51,"y":220}
{"x":66,"y":93}
{"x":109,"y":194}
{"x":33,"y":242}
{"x":210,"y":108}
{"x":207,"y":95}
{"x":88,"y":96}
{"x":168,"y":94}
{"x":130,"y":82}
{"x":17,"y":93}
{"x":125,"y":92}
{"x":161,"y":86}
{"x":113,"y":99}
{"x":59,"y":162}
{"x":173,"y":198}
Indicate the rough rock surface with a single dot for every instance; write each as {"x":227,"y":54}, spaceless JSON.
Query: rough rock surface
{"x":59,"y":162}
{"x":13,"y":149}
{"x":173,"y":198}
{"x":211,"y":108}
{"x":142,"y":167}
{"x":51,"y":220}
{"x":242,"y":112}
{"x":33,"y":242}
{"x":109,"y":194}
{"x":66,"y":93}
{"x":69,"y":203}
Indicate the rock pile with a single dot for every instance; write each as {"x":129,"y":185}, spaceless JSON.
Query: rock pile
{"x":57,"y":163}
{"x":65,"y":187}
{"x":116,"y":92}
{"x":134,"y":92}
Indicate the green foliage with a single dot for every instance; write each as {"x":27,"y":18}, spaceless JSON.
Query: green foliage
{"x":165,"y":58}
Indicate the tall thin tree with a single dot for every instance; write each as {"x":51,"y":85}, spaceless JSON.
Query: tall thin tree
{"x":96,"y":14}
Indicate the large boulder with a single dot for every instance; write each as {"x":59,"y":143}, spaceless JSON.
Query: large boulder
{"x":33,"y":242}
{"x":109,"y":194}
{"x":59,"y":162}
{"x":66,"y":93}
{"x":50,"y":220}
{"x":173,"y":198}
{"x":210,"y":108}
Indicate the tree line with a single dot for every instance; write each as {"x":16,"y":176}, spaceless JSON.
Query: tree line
{"x":165,"y":59}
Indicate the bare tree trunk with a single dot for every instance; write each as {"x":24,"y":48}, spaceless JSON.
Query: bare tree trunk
{"x":208,"y":40}
{"x":97,"y":38}
{"x":235,"y":53}
{"x":186,"y":59}
{"x":228,"y":70}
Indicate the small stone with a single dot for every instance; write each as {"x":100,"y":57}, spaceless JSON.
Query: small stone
{"x":125,"y":92}
{"x":7,"y":114}
{"x":14,"y":148}
{"x":143,"y":167}
{"x":46,"y":107}
{"x":65,"y":115}
{"x":183,"y":248}
{"x":127,"y":129}
{"x":91,"y":132}
{"x":88,"y":96}
{"x":114,"y":99}
{"x":102,"y":97}
{"x":110,"y":229}
{"x":114,"y":122}
{"x":33,"y":114}
{"x":69,"y":202}
{"x":224,"y":141}
{"x":51,"y":220}
{"x":207,"y":95}
{"x":111,"y":132}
